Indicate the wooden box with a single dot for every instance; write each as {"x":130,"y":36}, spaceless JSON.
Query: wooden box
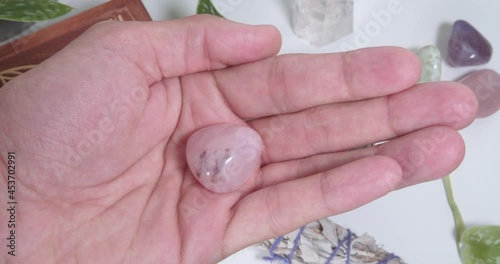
{"x":24,"y":53}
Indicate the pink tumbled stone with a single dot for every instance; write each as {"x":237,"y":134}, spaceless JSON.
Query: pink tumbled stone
{"x":223,"y":157}
{"x":486,"y":86}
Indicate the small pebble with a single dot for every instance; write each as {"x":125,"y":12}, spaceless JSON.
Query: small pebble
{"x":430,"y":57}
{"x":467,"y":46}
{"x":486,"y":86}
{"x":223,"y":157}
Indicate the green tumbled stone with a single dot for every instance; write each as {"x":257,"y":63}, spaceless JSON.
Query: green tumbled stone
{"x":431,"y":60}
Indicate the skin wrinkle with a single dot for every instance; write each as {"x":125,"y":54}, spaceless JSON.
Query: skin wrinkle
{"x":168,"y":86}
{"x":4,"y":166}
{"x":111,"y":181}
{"x":391,"y":117}
{"x":209,"y":61}
{"x":119,"y":174}
{"x":316,"y":114}
{"x":232,"y":212}
{"x":258,"y":186}
{"x":7,"y":137}
{"x":215,"y":84}
{"x":187,"y":44}
{"x":195,"y":35}
{"x":347,"y":75}
{"x":278,"y":69}
{"x":304,"y":165}
{"x":272,"y":206}
{"x":177,"y":200}
{"x":156,"y":71}
{"x":138,"y":68}
{"x":141,"y":216}
{"x":110,"y":209}
{"x":131,"y":61}
{"x":325,"y":191}
{"x":186,"y":100}
{"x":64,"y":131}
{"x":154,"y":74}
{"x":20,"y":180}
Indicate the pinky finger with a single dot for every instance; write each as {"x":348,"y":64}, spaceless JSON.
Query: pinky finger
{"x":281,"y":208}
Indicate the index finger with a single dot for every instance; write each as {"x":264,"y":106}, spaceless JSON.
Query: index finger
{"x":291,"y":83}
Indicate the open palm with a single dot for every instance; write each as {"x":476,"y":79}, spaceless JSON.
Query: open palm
{"x":100,"y":130}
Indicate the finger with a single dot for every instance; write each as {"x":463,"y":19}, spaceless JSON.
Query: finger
{"x":167,"y":49}
{"x":338,"y":127}
{"x":282,"y":208}
{"x":424,"y":155}
{"x":292,"y":83}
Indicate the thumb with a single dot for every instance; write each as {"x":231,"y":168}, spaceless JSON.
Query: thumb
{"x":165,"y":49}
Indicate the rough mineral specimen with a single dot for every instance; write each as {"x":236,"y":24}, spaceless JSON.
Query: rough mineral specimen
{"x":430,"y":57}
{"x":222,"y":157}
{"x":467,"y":46}
{"x":321,"y":22}
{"x":486,"y":86}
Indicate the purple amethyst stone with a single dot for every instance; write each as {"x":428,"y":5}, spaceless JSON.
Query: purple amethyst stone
{"x":467,"y":46}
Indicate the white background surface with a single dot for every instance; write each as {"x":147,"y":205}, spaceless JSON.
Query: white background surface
{"x":416,"y":222}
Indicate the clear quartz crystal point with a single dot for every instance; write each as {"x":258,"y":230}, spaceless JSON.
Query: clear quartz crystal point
{"x":321,"y":22}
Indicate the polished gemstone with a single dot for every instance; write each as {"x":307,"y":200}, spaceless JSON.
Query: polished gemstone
{"x":486,"y":86}
{"x":430,"y":57}
{"x":321,"y":22}
{"x":467,"y":46}
{"x":222,"y":157}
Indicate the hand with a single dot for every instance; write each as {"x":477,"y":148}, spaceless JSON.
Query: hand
{"x":99,"y":132}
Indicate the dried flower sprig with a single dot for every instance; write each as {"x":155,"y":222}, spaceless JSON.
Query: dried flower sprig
{"x":324,"y":242}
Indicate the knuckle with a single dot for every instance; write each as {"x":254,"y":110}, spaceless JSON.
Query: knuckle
{"x":319,"y":138}
{"x":347,"y":76}
{"x":277,"y":79}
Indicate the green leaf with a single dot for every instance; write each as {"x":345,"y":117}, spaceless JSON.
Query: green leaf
{"x":207,"y":7}
{"x":31,"y":10}
{"x":480,"y":245}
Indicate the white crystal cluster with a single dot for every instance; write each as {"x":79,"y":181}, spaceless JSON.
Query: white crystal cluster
{"x":321,"y":22}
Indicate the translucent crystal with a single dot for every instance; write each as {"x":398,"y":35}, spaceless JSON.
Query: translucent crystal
{"x":222,"y":157}
{"x":430,"y":57}
{"x":486,"y":86}
{"x":321,"y":22}
{"x":467,"y":46}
